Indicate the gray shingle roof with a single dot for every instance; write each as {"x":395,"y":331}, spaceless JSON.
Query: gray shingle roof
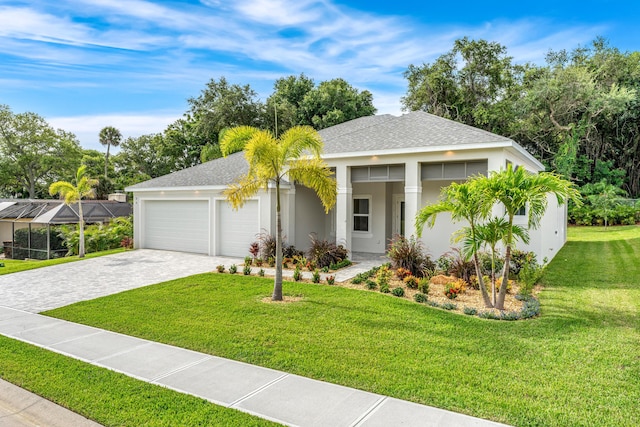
{"x":221,"y":171}
{"x":372,"y":133}
{"x":413,"y":130}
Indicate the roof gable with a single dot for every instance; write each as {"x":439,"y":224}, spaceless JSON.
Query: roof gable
{"x":413,"y":130}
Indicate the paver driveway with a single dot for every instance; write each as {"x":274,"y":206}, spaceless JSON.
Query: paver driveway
{"x":59,"y":285}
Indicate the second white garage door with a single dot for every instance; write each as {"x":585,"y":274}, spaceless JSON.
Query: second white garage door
{"x":237,"y":229}
{"x":177,"y":225}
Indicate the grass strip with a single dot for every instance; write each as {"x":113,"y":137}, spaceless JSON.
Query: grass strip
{"x":107,"y":397}
{"x":16,"y":265}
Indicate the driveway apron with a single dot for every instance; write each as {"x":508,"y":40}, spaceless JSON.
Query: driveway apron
{"x":59,"y":285}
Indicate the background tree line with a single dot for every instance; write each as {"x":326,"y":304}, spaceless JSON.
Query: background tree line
{"x":578,"y":113}
{"x":33,"y":154}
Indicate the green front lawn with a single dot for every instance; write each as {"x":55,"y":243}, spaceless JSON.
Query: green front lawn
{"x":577,"y":364}
{"x":16,"y":265}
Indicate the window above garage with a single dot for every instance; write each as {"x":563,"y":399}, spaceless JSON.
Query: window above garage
{"x":381,"y":173}
{"x":453,"y":170}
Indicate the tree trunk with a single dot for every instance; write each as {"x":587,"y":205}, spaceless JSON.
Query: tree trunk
{"x":505,"y":278}
{"x":483,"y":288}
{"x":106,"y":160}
{"x":277,"y":285}
{"x":81,"y":225}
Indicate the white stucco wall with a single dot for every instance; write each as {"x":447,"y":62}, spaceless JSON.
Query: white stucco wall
{"x":373,"y":241}
{"x":309,"y":218}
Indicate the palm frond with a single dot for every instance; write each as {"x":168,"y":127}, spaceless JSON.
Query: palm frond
{"x":427,"y":215}
{"x":241,"y":191}
{"x":236,"y":138}
{"x":315,"y":174}
{"x":300,"y":139}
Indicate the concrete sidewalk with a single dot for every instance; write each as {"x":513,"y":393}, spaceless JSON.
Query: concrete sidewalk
{"x":278,"y":396}
{"x":20,"y":408}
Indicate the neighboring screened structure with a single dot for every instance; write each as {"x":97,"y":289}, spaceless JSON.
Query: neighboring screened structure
{"x":25,"y":225}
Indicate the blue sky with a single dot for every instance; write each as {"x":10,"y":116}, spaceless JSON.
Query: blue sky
{"x":132,"y":64}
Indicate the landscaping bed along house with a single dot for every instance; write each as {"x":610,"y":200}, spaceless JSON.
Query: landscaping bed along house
{"x":449,"y":283}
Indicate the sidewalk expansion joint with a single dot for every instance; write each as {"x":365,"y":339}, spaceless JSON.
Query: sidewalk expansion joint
{"x":181,"y":368}
{"x":75,"y":338}
{"x":128,"y":350}
{"x":258,"y":390}
{"x":369,"y":411}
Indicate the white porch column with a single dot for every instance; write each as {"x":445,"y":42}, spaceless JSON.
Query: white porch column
{"x":289,"y":224}
{"x":344,"y":208}
{"x":412,"y":196}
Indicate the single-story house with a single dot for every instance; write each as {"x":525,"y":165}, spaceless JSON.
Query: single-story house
{"x":386,"y":167}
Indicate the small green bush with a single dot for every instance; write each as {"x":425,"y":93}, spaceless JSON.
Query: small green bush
{"x":448,"y":306}
{"x":423,"y":285}
{"x":399,"y":292}
{"x":248,"y":261}
{"x":420,"y":298}
{"x":342,"y":264}
{"x":246,"y":270}
{"x":530,"y":308}
{"x":370,"y":284}
{"x":220,"y":268}
{"x":470,"y":311}
{"x":385,"y":289}
{"x":261,"y":272}
{"x":233,"y":269}
{"x":315,"y":277}
{"x":297,"y":274}
{"x":331,"y":280}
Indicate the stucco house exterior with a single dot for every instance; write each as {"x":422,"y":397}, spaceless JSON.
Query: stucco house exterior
{"x":386,"y":167}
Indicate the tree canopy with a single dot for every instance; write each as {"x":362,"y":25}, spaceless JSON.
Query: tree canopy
{"x":579,"y":113}
{"x":33,"y":154}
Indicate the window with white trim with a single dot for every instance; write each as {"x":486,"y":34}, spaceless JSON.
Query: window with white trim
{"x":361,"y":214}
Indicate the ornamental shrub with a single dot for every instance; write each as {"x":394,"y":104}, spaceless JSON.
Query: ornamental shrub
{"x":324,"y":253}
{"x":411,"y":282}
{"x":420,"y":297}
{"x":399,"y":292}
{"x":297,"y":274}
{"x":409,"y":254}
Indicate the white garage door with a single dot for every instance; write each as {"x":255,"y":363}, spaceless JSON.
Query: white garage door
{"x":237,"y":229}
{"x":176,"y":225}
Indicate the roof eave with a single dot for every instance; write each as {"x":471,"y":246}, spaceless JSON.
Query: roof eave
{"x":177,"y":188}
{"x":428,"y":149}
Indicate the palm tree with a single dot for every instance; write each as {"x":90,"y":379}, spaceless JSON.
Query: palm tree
{"x":82,"y":189}
{"x":465,"y":202}
{"x":109,"y":136}
{"x":490,"y":234}
{"x":295,"y":154}
{"x":518,"y":189}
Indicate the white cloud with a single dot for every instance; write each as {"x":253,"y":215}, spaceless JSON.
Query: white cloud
{"x":143,"y":46}
{"x":87,"y":127}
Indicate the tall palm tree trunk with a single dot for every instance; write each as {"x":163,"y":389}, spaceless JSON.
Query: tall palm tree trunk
{"x":106,"y":161}
{"x":483,"y":288}
{"x":505,"y":278}
{"x":81,"y":225}
{"x":277,"y":286}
